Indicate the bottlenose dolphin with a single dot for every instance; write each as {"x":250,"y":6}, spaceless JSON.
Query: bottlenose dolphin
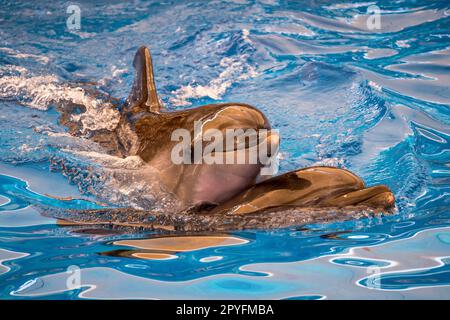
{"x":213,"y":190}
{"x":146,"y":130}
{"x":313,"y":187}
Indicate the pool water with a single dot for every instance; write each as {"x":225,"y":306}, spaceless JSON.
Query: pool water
{"x":342,"y":93}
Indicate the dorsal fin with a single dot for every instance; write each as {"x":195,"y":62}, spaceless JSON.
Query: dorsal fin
{"x":143,"y":95}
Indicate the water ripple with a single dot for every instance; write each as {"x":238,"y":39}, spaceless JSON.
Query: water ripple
{"x":374,"y":101}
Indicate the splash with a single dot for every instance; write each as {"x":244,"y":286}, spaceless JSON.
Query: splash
{"x":41,"y":92}
{"x":235,"y":70}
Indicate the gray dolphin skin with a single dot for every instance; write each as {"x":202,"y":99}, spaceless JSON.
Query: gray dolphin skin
{"x":225,"y":196}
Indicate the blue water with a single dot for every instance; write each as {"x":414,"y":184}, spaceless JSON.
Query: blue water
{"x":375,"y":101}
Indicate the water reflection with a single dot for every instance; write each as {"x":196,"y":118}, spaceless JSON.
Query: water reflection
{"x":373,"y":101}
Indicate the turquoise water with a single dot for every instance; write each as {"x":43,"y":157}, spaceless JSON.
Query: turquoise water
{"x":375,"y":101}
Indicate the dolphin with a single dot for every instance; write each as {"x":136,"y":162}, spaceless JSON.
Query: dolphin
{"x":313,"y":187}
{"x":216,"y":190}
{"x":146,"y":129}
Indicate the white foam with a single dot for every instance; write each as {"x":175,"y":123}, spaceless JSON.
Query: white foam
{"x":40,"y":92}
{"x":36,"y":92}
{"x":99,"y":114}
{"x":131,"y":162}
{"x":234,"y":70}
{"x":330,"y":162}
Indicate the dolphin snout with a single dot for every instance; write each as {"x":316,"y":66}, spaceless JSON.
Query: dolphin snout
{"x":374,"y":197}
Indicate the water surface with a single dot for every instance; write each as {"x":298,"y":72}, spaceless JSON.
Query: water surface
{"x":375,"y":101}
